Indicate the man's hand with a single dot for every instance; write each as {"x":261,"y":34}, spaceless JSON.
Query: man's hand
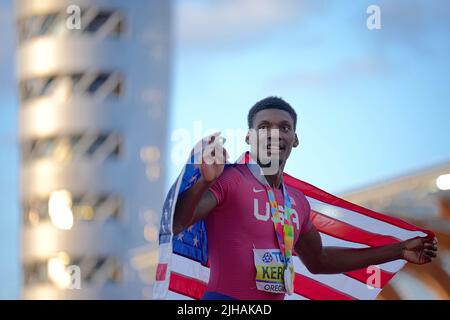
{"x":197,"y":202}
{"x":213,"y":158}
{"x":419,"y":250}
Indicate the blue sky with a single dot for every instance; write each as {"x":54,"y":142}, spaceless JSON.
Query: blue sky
{"x":9,"y":218}
{"x":371,"y":104}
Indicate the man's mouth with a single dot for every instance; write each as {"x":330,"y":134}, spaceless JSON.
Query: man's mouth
{"x":275,"y":148}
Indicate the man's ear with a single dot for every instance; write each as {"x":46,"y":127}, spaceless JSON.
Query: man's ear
{"x":296,"y":141}
{"x":247,"y":137}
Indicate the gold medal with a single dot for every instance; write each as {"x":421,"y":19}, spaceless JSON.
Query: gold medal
{"x":289,"y":279}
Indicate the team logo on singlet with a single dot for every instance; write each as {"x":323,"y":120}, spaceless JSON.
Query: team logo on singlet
{"x":266,"y":215}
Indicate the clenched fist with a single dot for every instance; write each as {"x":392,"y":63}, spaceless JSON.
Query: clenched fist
{"x":420,"y":250}
{"x":214,"y":157}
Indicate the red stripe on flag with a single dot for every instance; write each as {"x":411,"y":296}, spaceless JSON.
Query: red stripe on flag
{"x":314,"y":192}
{"x":316,"y":290}
{"x":186,"y":286}
{"x":345,"y":231}
{"x":363,"y":276}
{"x":161,"y":271}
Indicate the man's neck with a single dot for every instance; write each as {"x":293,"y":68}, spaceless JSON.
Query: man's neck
{"x":275,"y":180}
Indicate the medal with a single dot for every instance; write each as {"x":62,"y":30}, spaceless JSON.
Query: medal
{"x":289,"y":279}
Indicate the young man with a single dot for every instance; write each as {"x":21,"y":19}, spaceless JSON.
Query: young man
{"x":244,"y":210}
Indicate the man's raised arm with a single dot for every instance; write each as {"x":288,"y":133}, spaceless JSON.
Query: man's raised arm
{"x":197,"y":202}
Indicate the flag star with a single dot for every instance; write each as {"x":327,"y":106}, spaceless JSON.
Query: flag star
{"x":192,"y":179}
{"x":195,"y":241}
{"x":180,"y":236}
{"x":170,"y":202}
{"x":190,"y":228}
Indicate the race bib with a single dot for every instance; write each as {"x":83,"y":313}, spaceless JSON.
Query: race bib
{"x":269,"y":264}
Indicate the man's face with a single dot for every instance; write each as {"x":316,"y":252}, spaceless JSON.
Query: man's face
{"x":269,"y":124}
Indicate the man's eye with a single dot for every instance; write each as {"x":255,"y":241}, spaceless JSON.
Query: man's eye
{"x":286,"y":128}
{"x":263,"y":127}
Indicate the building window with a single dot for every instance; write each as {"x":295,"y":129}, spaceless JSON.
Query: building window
{"x":37,"y":87}
{"x":36,"y":26}
{"x":99,"y":147}
{"x":96,"y":84}
{"x":95,"y":270}
{"x":88,"y":207}
{"x":109,"y":23}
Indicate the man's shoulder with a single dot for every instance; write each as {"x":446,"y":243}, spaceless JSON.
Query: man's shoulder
{"x":231,"y":178}
{"x":296,"y":193}
{"x":234,"y":170}
{"x":228,"y":183}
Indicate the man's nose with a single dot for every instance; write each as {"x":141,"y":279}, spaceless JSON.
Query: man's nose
{"x":273,"y":134}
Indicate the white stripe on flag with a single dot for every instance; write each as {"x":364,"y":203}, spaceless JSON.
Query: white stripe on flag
{"x":362,"y":221}
{"x":393,"y":266}
{"x":329,"y":241}
{"x":339,"y":282}
{"x":295,"y":296}
{"x":190,"y":268}
{"x":176,"y":296}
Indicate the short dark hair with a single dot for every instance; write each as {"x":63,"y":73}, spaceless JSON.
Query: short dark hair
{"x":271,"y":103}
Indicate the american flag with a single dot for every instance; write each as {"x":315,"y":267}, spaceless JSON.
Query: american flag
{"x":183,"y":268}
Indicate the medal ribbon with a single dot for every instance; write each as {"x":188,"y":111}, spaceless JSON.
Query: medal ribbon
{"x":284,"y":228}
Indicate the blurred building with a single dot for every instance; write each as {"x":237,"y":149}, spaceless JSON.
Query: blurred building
{"x":93,"y":77}
{"x":422,"y":198}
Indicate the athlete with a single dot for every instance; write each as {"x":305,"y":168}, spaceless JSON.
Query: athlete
{"x":253,"y":220}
